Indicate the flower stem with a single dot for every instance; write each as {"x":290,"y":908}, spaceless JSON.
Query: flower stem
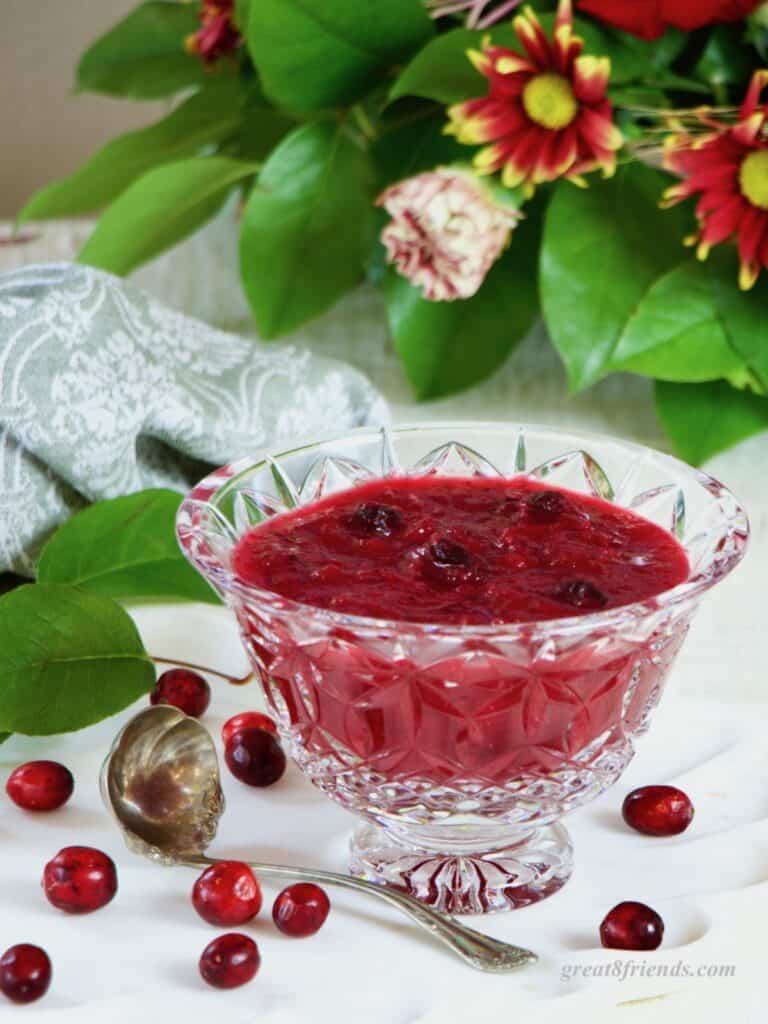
{"x":234,"y":680}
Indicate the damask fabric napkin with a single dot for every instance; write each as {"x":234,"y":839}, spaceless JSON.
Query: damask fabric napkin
{"x":105,"y":391}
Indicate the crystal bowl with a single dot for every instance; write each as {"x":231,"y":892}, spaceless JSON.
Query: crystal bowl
{"x":462,"y":747}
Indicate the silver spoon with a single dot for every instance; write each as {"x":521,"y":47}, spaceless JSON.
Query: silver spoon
{"x":161,"y":782}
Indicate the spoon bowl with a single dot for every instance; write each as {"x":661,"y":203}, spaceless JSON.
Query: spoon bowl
{"x":161,"y":783}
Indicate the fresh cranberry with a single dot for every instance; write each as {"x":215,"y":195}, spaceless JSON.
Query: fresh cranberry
{"x":371,"y":520}
{"x":184,"y":690}
{"x":301,"y":910}
{"x":80,"y":879}
{"x":447,"y":563}
{"x":25,"y":973}
{"x":546,"y":507}
{"x":255,"y":757}
{"x":230,"y":960}
{"x":247,"y":720}
{"x":40,"y":785}
{"x":227,"y":893}
{"x":658,"y":810}
{"x":581,"y":594}
{"x":631,"y":925}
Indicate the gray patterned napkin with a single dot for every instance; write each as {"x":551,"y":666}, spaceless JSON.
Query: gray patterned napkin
{"x":104,"y":391}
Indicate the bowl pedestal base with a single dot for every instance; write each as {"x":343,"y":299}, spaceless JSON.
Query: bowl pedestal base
{"x":466,"y":882}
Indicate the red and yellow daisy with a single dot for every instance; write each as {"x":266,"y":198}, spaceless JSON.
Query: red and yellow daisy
{"x":728,"y":169}
{"x":546,"y":114}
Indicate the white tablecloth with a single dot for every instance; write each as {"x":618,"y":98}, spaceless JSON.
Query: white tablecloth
{"x":139,"y":954}
{"x":135,"y":960}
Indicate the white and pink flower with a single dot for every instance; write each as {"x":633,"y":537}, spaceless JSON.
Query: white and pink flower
{"x":446,"y":232}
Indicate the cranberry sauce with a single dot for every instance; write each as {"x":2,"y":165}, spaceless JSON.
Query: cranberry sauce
{"x":461,"y":551}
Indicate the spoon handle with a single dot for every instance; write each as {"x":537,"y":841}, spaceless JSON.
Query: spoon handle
{"x":480,"y":951}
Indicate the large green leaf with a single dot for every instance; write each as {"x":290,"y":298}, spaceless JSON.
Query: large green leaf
{"x":143,"y":56}
{"x":208,"y":116}
{"x":441,"y":70}
{"x":160,"y":208}
{"x":67,"y":659}
{"x":263,"y":126}
{"x":307,"y":227}
{"x":704,"y":419}
{"x":415,"y":146}
{"x":675,"y":333}
{"x":448,"y":346}
{"x":603,"y":249}
{"x":314,"y":55}
{"x":124,"y":548}
{"x":742,"y":314}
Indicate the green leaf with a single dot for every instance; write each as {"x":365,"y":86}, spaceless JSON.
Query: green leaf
{"x":4,"y":736}
{"x":657,"y":53}
{"x":208,"y":116}
{"x":603,"y":249}
{"x":307,"y":227}
{"x":263,"y":126}
{"x":242,"y":13}
{"x":441,"y":70}
{"x":704,"y":419}
{"x":743,"y":314}
{"x":725,"y":60}
{"x":413,"y":147}
{"x":449,"y":346}
{"x":67,"y":659}
{"x":160,"y":208}
{"x":124,"y":548}
{"x":314,"y":55}
{"x":143,"y":56}
{"x":675,"y":333}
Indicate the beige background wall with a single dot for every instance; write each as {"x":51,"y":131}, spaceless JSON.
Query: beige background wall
{"x":45,"y":130}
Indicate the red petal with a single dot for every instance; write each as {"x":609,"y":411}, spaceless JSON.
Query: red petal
{"x":598,"y":132}
{"x":534,"y":41}
{"x":640,"y":17}
{"x":722,"y":224}
{"x":590,"y":78}
{"x":752,"y":229}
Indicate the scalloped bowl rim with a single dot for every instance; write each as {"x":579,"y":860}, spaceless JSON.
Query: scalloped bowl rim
{"x":226,"y":476}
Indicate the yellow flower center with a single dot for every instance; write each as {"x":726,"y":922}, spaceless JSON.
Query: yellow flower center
{"x":753,"y":178}
{"x":549,"y":101}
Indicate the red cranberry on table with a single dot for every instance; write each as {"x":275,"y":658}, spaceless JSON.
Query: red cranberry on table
{"x":227,"y":893}
{"x":25,"y":973}
{"x":631,"y":925}
{"x":247,"y":720}
{"x":40,"y":785}
{"x":255,"y":757}
{"x":229,"y":961}
{"x":658,"y":810}
{"x":301,"y":909}
{"x":184,"y":690}
{"x":80,"y":879}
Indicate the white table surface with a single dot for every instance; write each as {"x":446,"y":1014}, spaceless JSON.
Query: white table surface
{"x":135,"y":960}
{"x":139,"y":953}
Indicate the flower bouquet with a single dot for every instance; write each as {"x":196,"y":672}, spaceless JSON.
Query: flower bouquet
{"x":482,"y":162}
